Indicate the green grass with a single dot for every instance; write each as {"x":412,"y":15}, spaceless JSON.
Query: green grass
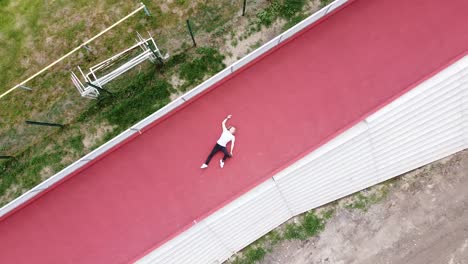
{"x":182,"y":2}
{"x":364,"y":201}
{"x":324,"y":3}
{"x":251,"y":255}
{"x":131,"y":100}
{"x":25,"y":171}
{"x":294,"y":231}
{"x":308,"y":225}
{"x":208,"y":18}
{"x":69,"y":33}
{"x":193,"y":66}
{"x":287,"y":9}
{"x":292,"y":11}
{"x":269,"y":15}
{"x":211,"y":16}
{"x":274,"y":237}
{"x":17,"y":24}
{"x":290,"y":8}
{"x":293,"y":21}
{"x":76,"y":143}
{"x":207,"y":61}
{"x":312,"y":224}
{"x":234,"y":42}
{"x":328,"y":214}
{"x":256,"y":45}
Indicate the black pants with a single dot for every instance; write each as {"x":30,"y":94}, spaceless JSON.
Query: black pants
{"x":215,"y":150}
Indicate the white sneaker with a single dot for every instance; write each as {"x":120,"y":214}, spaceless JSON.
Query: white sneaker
{"x":204,"y":166}
{"x":221,"y":163}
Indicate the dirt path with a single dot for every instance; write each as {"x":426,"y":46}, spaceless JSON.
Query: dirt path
{"x":423,"y":220}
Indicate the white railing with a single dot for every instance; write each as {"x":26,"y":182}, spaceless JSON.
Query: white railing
{"x":139,"y":127}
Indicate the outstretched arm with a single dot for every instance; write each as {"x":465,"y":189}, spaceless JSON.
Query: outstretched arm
{"x":225,"y":120}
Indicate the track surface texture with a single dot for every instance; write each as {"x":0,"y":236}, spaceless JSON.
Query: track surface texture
{"x":285,"y":105}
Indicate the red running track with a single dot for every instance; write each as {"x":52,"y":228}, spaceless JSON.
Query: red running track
{"x":286,"y":104}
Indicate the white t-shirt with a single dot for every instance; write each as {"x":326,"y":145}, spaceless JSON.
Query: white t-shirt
{"x":225,"y":137}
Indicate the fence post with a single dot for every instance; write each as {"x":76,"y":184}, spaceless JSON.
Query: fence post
{"x":156,"y":55}
{"x":99,"y":88}
{"x":147,"y":12}
{"x":136,"y":129}
{"x":87,"y":48}
{"x":191,"y":33}
{"x":29,"y":122}
{"x":243,"y":8}
{"x":328,"y":8}
{"x":25,"y":88}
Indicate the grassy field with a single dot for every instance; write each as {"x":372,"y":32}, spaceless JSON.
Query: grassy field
{"x":35,"y":33}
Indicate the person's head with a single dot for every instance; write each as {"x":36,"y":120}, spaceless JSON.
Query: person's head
{"x":232,"y":130}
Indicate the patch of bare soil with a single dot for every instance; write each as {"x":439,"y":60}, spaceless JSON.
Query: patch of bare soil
{"x":252,"y":42}
{"x":91,"y":138}
{"x":10,"y":194}
{"x":46,"y":172}
{"x":423,"y":220}
{"x":176,"y":82}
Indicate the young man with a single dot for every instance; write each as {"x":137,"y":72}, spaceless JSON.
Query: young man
{"x":226,"y":137}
